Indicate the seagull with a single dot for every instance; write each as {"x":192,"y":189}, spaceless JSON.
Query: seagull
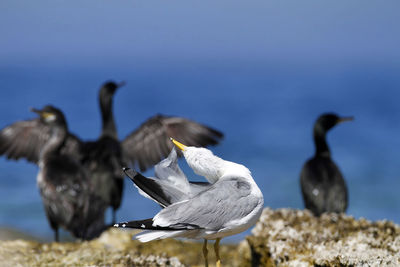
{"x":104,"y":157}
{"x":228,"y":203}
{"x":322,"y":184}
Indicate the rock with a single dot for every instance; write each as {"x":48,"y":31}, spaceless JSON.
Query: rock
{"x":7,"y":233}
{"x":287,"y":237}
{"x":282,"y":237}
{"x":114,"y":247}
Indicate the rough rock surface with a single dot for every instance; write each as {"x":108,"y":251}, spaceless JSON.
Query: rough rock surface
{"x":282,"y":237}
{"x":287,"y":237}
{"x":113,"y":248}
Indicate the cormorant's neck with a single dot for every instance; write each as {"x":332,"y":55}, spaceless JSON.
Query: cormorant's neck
{"x":55,"y":143}
{"x":321,"y":146}
{"x":107,"y":116}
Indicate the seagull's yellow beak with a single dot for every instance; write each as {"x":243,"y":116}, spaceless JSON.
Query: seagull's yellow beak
{"x":179,"y":145}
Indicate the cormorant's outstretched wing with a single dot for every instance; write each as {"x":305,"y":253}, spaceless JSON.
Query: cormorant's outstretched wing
{"x":150,"y":143}
{"x":25,"y":139}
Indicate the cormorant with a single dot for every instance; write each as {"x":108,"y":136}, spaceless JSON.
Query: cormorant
{"x":105,"y":157}
{"x":64,"y":183}
{"x":144,"y":147}
{"x":322,"y":184}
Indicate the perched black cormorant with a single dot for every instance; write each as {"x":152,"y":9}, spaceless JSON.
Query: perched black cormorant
{"x":322,"y":184}
{"x":144,"y":147}
{"x":64,"y":183}
{"x":105,"y":157}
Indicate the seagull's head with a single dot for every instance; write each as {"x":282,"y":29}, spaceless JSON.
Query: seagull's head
{"x":202,"y":161}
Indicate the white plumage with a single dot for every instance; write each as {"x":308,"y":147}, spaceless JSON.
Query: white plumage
{"x":228,"y":204}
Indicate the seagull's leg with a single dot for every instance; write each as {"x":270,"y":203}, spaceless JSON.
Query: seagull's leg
{"x":216,"y":249}
{"x":205,"y":253}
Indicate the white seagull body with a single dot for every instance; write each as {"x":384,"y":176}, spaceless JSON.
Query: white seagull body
{"x":228,"y":204}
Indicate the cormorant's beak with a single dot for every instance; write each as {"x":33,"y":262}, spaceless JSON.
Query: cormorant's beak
{"x":42,"y":114}
{"x":179,"y":145}
{"x":37,"y":111}
{"x":344,"y":119}
{"x":120,"y":84}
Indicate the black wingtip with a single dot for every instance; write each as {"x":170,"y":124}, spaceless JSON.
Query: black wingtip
{"x":140,"y":224}
{"x":118,"y":225}
{"x":131,"y":173}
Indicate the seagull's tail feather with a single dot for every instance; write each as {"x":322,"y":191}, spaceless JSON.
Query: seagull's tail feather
{"x":148,"y":225}
{"x":140,"y":224}
{"x":155,"y":235}
{"x":159,"y":232}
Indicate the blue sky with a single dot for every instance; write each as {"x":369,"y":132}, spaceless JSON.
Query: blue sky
{"x":92,"y":32}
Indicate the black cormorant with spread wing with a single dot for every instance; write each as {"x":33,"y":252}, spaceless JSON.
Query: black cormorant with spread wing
{"x":64,"y":183}
{"x":322,"y":184}
{"x":105,"y":157}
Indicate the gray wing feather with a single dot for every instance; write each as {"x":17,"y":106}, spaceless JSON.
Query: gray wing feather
{"x":197,"y":187}
{"x":224,"y":201}
{"x":25,"y":139}
{"x":168,"y":172}
{"x":170,"y":182}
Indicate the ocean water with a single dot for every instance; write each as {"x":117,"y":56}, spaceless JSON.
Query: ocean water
{"x":265,"y":111}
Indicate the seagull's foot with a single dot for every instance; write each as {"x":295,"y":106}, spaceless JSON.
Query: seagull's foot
{"x":216,"y":249}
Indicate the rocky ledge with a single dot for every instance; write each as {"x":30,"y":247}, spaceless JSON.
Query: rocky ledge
{"x":282,"y":237}
{"x":287,"y":237}
{"x":114,"y":247}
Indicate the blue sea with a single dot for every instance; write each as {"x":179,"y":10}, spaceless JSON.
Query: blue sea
{"x":265,"y":110}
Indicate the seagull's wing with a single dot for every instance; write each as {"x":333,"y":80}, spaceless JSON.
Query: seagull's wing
{"x":150,"y":143}
{"x":168,"y":172}
{"x":217,"y":208}
{"x":25,"y":139}
{"x":155,"y":189}
{"x":169,"y":186}
{"x":197,"y":187}
{"x":164,"y":192}
{"x":224,"y":206}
